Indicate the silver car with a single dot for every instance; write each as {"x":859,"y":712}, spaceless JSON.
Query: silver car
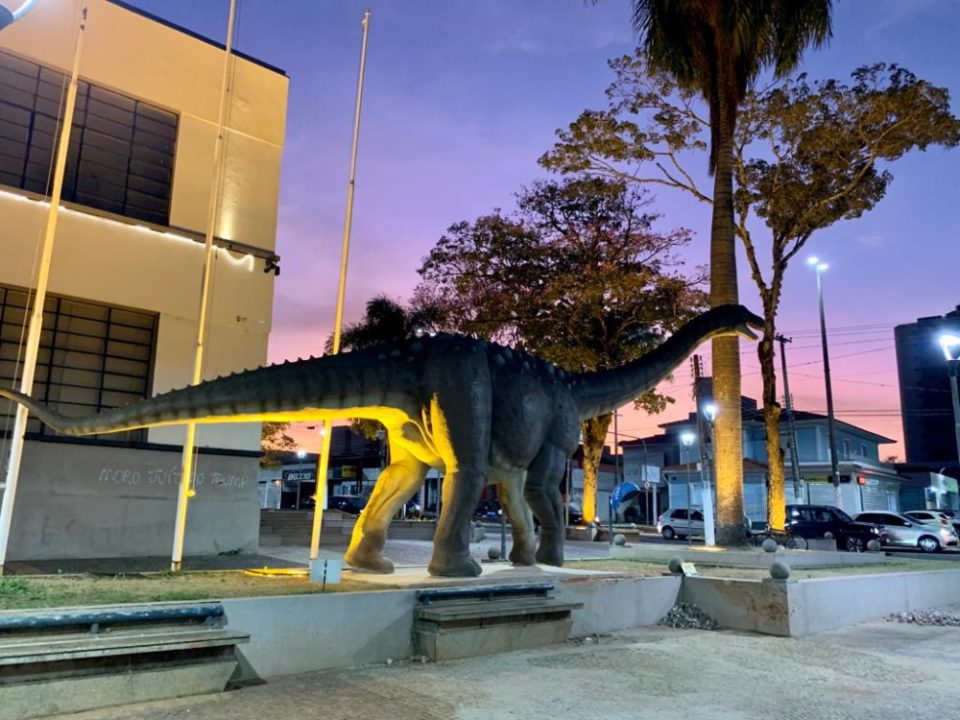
{"x":903,"y":531}
{"x":675,"y":523}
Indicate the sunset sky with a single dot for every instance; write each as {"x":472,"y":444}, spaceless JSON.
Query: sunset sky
{"x":462,"y":98}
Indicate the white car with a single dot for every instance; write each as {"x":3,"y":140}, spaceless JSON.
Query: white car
{"x":675,"y":523}
{"x":930,"y":517}
{"x":904,"y":531}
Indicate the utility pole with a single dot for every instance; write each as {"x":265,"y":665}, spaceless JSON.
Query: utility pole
{"x":323,"y":464}
{"x":31,"y":349}
{"x":791,"y":424}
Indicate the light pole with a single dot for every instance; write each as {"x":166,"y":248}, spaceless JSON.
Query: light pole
{"x":301,"y":454}
{"x":686,"y":440}
{"x":616,"y":472}
{"x":709,"y":532}
{"x":951,"y":351}
{"x":819,"y":267}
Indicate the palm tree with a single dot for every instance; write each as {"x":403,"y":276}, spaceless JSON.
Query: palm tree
{"x":718,"y":47}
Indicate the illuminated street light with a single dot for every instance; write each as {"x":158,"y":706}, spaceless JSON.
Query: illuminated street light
{"x":950,"y":344}
{"x":686,"y":440}
{"x":819,"y":267}
{"x":709,"y":532}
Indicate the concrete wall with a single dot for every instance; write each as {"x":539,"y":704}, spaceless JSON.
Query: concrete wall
{"x":303,"y":633}
{"x":749,"y":605}
{"x":618,"y":603}
{"x":84,"y":501}
{"x":827,"y":603}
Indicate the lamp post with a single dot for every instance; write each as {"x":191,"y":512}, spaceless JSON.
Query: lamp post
{"x":709,"y":532}
{"x":686,"y":440}
{"x":951,"y":351}
{"x":301,"y":454}
{"x":819,"y":267}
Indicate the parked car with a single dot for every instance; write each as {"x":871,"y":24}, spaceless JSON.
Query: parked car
{"x":934,"y":517}
{"x":352,"y":504}
{"x":818,"y":521}
{"x":903,"y":531}
{"x":678,"y":523}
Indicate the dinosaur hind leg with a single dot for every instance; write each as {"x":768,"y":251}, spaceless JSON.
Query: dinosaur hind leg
{"x":510,"y":495}
{"x":396,"y":484}
{"x":542,"y":491}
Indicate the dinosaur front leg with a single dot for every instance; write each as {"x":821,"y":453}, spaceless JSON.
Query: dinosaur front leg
{"x":510,"y":495}
{"x":396,"y":484}
{"x":542,"y":491}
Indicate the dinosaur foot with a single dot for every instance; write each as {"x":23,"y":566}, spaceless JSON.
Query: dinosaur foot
{"x":375,"y":563}
{"x":454,"y":566}
{"x":550,"y":554}
{"x":522,"y":555}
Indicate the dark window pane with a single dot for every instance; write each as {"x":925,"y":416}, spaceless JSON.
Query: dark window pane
{"x":121,"y":150}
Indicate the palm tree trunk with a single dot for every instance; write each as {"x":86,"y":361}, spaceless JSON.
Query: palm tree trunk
{"x":594,"y":434}
{"x":726,"y":350}
{"x":776,"y":497}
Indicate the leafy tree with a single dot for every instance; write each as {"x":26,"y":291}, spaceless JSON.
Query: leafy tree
{"x":274,"y":441}
{"x":806,"y":154}
{"x":717,"y":48}
{"x":576,"y":275}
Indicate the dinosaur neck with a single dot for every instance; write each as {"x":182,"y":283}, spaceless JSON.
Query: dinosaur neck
{"x":602,"y":392}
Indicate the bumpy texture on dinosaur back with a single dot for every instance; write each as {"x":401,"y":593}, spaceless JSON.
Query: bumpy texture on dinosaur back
{"x":480,"y":413}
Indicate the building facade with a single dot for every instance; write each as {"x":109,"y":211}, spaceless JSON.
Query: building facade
{"x":925,"y":400}
{"x":122,"y":311}
{"x":866,"y":482}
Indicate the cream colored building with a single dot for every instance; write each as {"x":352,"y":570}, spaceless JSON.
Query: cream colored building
{"x":125,"y":280}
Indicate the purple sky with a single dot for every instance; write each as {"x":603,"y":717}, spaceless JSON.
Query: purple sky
{"x":461,"y":99}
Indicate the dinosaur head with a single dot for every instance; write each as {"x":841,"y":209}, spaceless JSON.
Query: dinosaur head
{"x":728,"y":320}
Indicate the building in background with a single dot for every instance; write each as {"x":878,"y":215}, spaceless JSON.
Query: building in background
{"x":925,"y":401}
{"x":866,"y":482}
{"x":121,"y":315}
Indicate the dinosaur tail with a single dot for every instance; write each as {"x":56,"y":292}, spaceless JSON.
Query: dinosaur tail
{"x":351,"y":385}
{"x":602,"y":392}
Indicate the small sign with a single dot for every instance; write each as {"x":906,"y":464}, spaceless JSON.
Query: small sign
{"x":689,"y":569}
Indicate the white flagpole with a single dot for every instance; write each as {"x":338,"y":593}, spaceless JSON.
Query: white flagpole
{"x":40,"y":296}
{"x":321,"y":485}
{"x":187,"y":469}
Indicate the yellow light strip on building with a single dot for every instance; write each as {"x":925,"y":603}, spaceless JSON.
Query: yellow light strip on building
{"x":247,"y":261}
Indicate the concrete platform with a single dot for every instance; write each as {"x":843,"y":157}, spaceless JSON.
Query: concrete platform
{"x":494,"y":573}
{"x":751,"y":558}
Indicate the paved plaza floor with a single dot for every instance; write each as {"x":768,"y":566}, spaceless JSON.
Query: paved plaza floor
{"x":876,"y":671}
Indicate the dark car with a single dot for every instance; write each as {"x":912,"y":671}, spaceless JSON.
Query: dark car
{"x":352,"y":504}
{"x":817,"y":521}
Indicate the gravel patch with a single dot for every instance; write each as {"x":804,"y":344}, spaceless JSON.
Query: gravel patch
{"x":926,"y":617}
{"x":688,"y":617}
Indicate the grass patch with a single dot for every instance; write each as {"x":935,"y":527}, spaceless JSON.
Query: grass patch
{"x":652,"y":569}
{"x":44,"y":592}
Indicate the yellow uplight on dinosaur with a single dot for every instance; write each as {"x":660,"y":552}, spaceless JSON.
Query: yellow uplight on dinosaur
{"x":480,"y":413}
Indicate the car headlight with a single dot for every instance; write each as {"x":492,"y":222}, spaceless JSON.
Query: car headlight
{"x":874,"y":531}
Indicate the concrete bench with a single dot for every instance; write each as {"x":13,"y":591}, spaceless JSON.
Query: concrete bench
{"x":452,"y":623}
{"x":68,"y":660}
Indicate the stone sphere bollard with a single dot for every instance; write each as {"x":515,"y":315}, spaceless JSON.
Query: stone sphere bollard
{"x":770,"y":545}
{"x":779,"y":570}
{"x":493,"y":553}
{"x":676,"y":564}
{"x":620,"y":539}
{"x":874,"y":545}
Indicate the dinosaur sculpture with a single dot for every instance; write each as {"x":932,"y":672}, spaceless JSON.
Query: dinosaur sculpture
{"x":479,"y":412}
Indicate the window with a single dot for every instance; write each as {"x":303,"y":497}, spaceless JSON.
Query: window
{"x":121,"y":150}
{"x":92,"y":357}
{"x":679,"y":514}
{"x":696,"y":516}
{"x":846,"y":449}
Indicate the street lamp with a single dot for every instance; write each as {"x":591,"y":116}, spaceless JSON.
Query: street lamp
{"x":301,"y":454}
{"x":709,"y":533}
{"x":819,"y":267}
{"x":686,"y":440}
{"x":951,"y":351}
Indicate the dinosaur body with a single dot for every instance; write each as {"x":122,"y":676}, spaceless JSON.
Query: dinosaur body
{"x":478,"y":412}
